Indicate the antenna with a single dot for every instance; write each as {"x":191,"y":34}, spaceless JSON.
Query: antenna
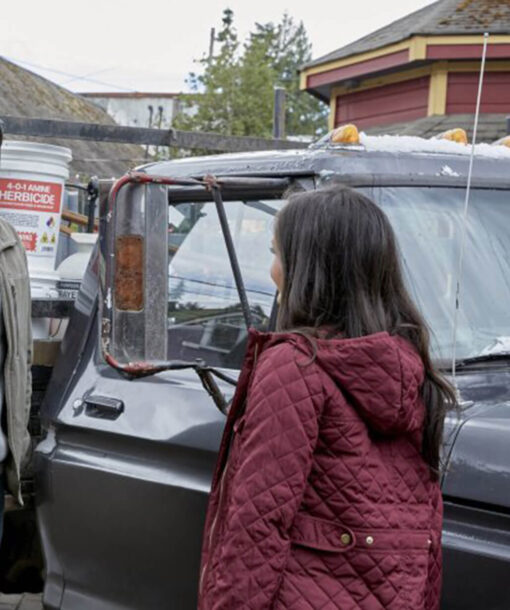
{"x":466,"y":207}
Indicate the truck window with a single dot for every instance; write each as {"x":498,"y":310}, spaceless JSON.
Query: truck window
{"x":205,"y":319}
{"x":428,"y":223}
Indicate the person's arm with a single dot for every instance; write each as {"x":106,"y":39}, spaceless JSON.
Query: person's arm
{"x":278,"y":437}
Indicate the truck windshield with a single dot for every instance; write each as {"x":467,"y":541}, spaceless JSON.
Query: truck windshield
{"x":428,"y":224}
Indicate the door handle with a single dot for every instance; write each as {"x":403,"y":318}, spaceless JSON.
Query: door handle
{"x":103,"y":407}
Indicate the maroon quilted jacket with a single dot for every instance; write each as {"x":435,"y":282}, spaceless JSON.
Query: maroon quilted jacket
{"x":321,"y":498}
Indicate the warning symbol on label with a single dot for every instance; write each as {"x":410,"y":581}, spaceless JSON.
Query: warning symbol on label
{"x":29,"y":240}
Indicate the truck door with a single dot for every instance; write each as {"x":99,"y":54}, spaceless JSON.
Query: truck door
{"x":476,"y":490}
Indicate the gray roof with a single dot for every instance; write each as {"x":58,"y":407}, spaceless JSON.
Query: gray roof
{"x":440,"y":18}
{"x":25,"y":94}
{"x":491,"y":127}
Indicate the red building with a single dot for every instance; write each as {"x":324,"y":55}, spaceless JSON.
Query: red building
{"x":419,"y":75}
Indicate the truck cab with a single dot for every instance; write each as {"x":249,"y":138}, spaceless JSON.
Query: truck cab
{"x":130,"y":429}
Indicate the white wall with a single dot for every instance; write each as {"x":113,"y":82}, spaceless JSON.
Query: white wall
{"x":135,"y":111}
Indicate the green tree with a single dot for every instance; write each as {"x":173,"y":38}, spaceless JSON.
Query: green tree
{"x":288,"y":48}
{"x":234,"y":93}
{"x":214,"y":91}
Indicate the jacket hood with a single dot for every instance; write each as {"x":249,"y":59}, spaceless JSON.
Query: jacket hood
{"x":380,"y":375}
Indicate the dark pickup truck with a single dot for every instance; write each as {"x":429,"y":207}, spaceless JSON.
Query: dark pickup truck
{"x":130,"y":424}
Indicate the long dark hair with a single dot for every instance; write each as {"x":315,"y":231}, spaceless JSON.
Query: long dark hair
{"x":342,"y":271}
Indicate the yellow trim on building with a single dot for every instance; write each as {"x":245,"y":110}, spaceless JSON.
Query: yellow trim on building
{"x":468,"y":39}
{"x":438,"y":82}
{"x":303,"y":77}
{"x":355,"y":59}
{"x":379,"y":81}
{"x":332,"y":112}
{"x":417,"y":46}
{"x":437,"y":89}
{"x":398,"y":77}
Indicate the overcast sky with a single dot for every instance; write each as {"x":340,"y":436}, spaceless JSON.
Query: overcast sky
{"x":125,"y":45}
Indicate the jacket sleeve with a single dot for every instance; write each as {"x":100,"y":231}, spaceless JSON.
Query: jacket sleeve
{"x":30,"y":354}
{"x":26,"y":308}
{"x":271,"y":465}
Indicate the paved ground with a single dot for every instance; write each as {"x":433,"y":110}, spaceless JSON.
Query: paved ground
{"x":26,"y":601}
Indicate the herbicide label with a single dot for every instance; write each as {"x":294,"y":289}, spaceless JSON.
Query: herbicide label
{"x":33,"y":209}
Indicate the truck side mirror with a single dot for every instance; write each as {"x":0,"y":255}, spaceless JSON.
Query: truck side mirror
{"x":134,"y":259}
{"x":134,"y":273}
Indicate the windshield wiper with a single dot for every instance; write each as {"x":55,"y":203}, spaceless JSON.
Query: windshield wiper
{"x":466,"y":362}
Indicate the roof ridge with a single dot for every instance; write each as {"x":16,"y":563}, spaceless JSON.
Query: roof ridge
{"x":438,"y":18}
{"x":374,"y":33}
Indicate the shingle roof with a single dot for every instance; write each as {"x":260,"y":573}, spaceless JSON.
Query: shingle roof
{"x":25,"y":94}
{"x":440,"y":18}
{"x":491,"y":127}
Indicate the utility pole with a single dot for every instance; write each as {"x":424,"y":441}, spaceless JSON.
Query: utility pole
{"x":211,"y":44}
{"x":279,"y":113}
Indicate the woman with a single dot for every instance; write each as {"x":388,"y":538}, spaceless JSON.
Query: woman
{"x":326,"y":490}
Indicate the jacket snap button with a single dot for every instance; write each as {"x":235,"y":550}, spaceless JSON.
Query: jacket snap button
{"x":369,"y":540}
{"x":345,"y":539}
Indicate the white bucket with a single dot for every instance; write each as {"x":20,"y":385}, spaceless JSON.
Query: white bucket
{"x":32,"y":179}
{"x":43,"y":286}
{"x":72,"y":268}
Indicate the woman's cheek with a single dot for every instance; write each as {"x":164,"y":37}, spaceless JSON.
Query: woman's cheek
{"x":276,"y":273}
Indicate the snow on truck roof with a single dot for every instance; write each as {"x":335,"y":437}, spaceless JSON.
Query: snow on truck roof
{"x":414,"y":144}
{"x":382,"y":154}
{"x":452,"y":142}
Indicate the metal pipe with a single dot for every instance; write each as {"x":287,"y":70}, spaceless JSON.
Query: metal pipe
{"x":234,"y":263}
{"x":92,"y":195}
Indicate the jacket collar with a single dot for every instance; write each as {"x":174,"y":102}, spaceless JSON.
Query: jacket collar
{"x":8,"y":237}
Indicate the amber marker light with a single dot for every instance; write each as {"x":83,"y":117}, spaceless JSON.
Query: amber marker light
{"x":345,"y":134}
{"x":458,"y":135}
{"x":129,"y":275}
{"x":503,"y":142}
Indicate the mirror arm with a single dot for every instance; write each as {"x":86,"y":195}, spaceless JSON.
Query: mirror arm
{"x":211,"y":387}
{"x":229,"y":242}
{"x":138,"y":370}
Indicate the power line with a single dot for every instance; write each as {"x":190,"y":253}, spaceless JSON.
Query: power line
{"x":68,"y":74}
{"x":85,"y":76}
